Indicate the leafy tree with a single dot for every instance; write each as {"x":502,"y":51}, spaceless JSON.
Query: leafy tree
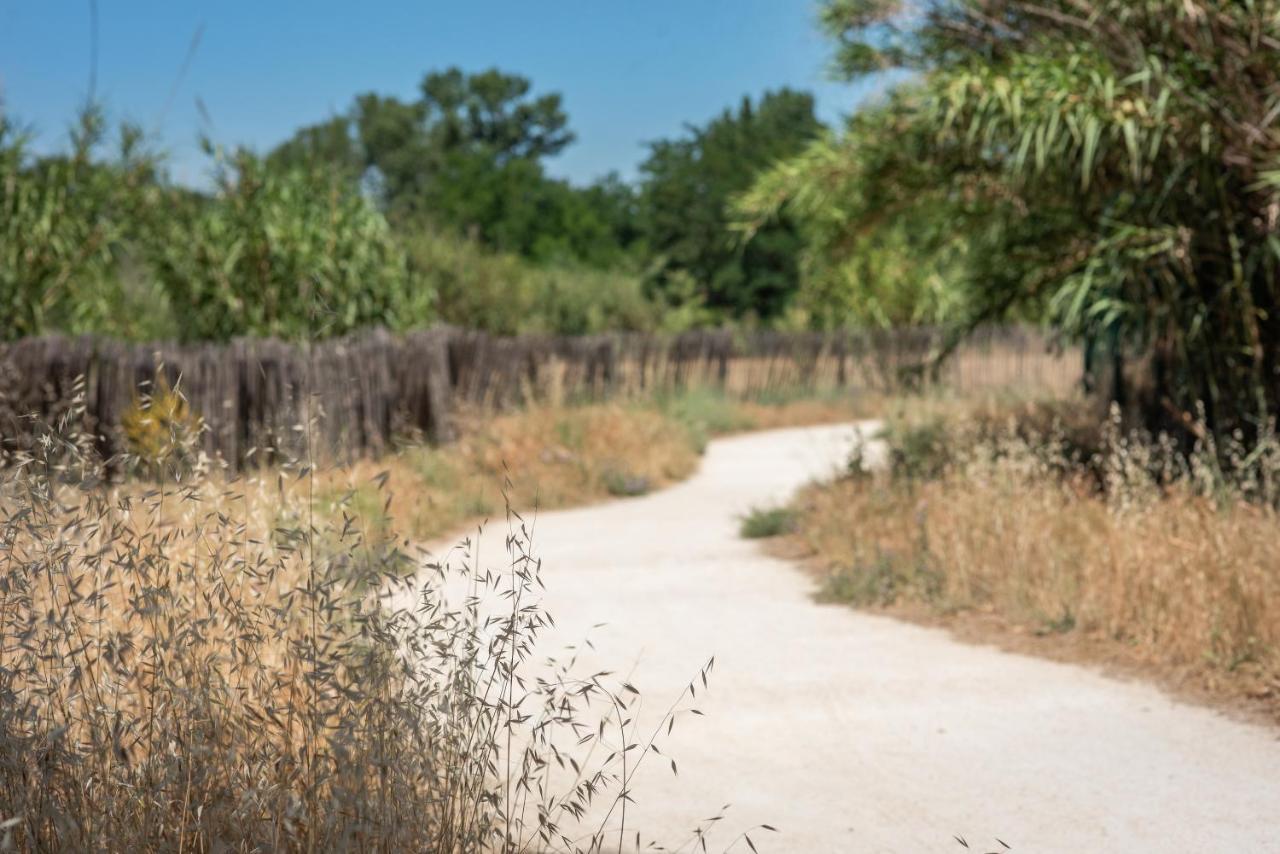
{"x":488,"y":116}
{"x":329,"y":145}
{"x":515,"y":207}
{"x":491,"y":114}
{"x":467,"y":155}
{"x":1113,"y":162}
{"x":687,"y":188}
{"x":863,"y":263}
{"x":615,"y":204}
{"x":463,"y":126}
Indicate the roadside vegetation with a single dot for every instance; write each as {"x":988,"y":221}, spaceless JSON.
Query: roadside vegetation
{"x":1109,"y":167}
{"x":397,"y":212}
{"x":540,"y":458}
{"x":1067,"y":535}
{"x":762,"y":522}
{"x":189,"y":662}
{"x":549,"y":456}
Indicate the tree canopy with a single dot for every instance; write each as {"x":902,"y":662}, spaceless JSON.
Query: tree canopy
{"x":1111,"y":164}
{"x":467,"y":155}
{"x":687,"y":187}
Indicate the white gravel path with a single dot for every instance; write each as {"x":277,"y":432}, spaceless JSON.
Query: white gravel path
{"x":852,"y":732}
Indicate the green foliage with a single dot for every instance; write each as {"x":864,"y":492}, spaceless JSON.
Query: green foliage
{"x":487,"y":115}
{"x":896,"y":272}
{"x":884,"y":581}
{"x":514,"y":207}
{"x":620,"y":483}
{"x":1113,"y":163}
{"x":919,"y":450}
{"x":288,"y":253}
{"x":328,"y":145}
{"x":688,"y":185}
{"x":467,"y":156}
{"x":399,"y":212}
{"x":763,"y":522}
{"x":491,"y":113}
{"x":67,"y":225}
{"x":703,"y":412}
{"x":505,"y":294}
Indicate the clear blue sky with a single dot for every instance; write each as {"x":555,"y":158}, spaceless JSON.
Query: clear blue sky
{"x":629,"y":70}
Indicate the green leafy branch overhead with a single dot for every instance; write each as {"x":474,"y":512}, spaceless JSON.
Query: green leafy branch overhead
{"x":1110,"y":165}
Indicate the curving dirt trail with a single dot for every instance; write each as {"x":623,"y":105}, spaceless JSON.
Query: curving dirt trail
{"x":852,"y":732}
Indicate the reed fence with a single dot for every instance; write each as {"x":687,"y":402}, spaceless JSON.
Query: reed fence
{"x":359,"y":394}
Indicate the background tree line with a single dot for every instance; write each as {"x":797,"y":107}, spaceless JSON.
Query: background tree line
{"x":398,"y":213}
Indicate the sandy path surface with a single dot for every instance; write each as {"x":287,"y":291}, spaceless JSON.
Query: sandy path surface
{"x":852,"y":732}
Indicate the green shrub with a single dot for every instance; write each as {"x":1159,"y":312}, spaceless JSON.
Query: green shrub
{"x":67,"y":224}
{"x":292,"y":254}
{"x":762,"y":522}
{"x":918,"y":451}
{"x":622,"y":484}
{"x":505,"y":294}
{"x":878,"y":583}
{"x":704,"y":412}
{"x":884,"y":581}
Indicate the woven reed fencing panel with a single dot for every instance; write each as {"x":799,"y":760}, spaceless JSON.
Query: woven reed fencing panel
{"x":358,"y":395}
{"x":490,"y":371}
{"x":256,"y":397}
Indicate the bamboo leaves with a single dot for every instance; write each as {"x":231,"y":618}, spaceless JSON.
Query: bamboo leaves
{"x":1110,"y":165}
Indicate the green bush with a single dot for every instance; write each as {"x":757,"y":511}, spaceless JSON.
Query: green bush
{"x":918,"y":451}
{"x":703,"y":412}
{"x":763,"y":522}
{"x":68,"y":223}
{"x":884,"y":581}
{"x":620,"y":483}
{"x":289,"y":253}
{"x":505,"y":294}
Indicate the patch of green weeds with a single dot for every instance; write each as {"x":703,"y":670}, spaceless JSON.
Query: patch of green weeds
{"x":883,"y":582}
{"x":763,"y":522}
{"x":622,"y":484}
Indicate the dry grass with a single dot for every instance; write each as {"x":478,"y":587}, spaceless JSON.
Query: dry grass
{"x":805,"y":411}
{"x":1160,"y":558}
{"x":543,"y":457}
{"x":208,"y":665}
{"x":196,"y":663}
{"x":552,"y":456}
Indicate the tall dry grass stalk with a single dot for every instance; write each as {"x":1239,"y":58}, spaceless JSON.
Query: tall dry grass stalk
{"x":206,"y":665}
{"x":1134,"y":543}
